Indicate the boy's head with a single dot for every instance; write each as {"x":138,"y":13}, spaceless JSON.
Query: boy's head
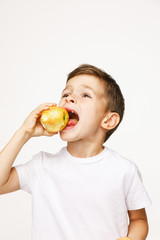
{"x":106,"y":96}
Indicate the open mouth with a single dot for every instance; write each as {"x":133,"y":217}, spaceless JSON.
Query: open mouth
{"x":73,"y":117}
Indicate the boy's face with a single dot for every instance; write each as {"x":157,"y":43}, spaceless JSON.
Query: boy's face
{"x":84,"y":94}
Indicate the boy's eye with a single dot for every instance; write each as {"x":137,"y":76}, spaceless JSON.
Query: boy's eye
{"x":86,"y":95}
{"x":65,"y":95}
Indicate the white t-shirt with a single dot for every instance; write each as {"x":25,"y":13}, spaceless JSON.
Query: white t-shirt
{"x":81,"y":198}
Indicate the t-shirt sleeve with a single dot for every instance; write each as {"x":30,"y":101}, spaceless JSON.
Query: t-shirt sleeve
{"x":27,"y":173}
{"x":137,"y":196}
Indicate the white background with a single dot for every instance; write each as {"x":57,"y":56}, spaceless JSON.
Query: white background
{"x":41,"y":42}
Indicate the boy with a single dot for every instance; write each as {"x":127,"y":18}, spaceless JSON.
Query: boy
{"x":86,"y":191}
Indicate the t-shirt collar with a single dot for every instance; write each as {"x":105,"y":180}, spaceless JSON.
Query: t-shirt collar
{"x":87,"y":160}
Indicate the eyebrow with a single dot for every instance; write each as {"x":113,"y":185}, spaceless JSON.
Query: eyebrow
{"x":83,"y":85}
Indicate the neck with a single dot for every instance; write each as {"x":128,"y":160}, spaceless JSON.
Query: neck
{"x":84,"y":150}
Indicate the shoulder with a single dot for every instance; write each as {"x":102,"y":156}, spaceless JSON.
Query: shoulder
{"x":125,"y":170}
{"x":39,"y":158}
{"x":53,"y":156}
{"x":48,"y":159}
{"x":121,"y":162}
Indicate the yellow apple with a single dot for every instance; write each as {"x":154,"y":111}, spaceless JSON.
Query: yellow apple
{"x":54,"y":119}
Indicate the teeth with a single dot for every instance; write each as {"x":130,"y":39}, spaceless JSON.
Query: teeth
{"x":73,"y":115}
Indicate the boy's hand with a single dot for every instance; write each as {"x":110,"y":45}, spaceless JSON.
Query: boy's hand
{"x":32,"y":126}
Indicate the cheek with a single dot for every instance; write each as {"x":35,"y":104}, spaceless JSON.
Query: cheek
{"x":89,"y":117}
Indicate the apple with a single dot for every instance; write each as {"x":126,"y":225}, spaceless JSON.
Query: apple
{"x":54,"y":119}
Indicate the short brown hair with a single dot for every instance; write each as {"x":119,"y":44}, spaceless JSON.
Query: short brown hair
{"x":114,"y":97}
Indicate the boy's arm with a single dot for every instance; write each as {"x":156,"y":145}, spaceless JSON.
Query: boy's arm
{"x":30,"y":128}
{"x":138,"y":226}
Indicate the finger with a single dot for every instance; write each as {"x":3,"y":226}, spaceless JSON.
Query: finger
{"x":46,"y":133}
{"x":42,"y":108}
{"x":46,"y":105}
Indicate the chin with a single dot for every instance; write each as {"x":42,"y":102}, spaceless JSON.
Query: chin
{"x":67,"y":137}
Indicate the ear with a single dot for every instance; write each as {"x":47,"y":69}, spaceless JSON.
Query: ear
{"x":110,"y":121}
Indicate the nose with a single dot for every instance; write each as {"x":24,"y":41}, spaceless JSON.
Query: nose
{"x":70,"y":98}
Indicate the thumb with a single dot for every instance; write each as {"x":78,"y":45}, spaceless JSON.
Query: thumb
{"x":48,"y":134}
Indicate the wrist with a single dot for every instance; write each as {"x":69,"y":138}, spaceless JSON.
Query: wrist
{"x":24,"y":134}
